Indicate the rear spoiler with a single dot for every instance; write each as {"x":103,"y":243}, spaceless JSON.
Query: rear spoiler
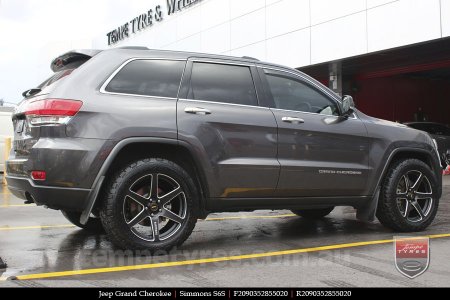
{"x":62,"y":62}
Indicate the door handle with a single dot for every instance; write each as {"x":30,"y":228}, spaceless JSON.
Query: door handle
{"x":197,"y":111}
{"x":293,"y":120}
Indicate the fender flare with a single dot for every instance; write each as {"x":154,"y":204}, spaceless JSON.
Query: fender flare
{"x":99,"y":180}
{"x":367,"y":212}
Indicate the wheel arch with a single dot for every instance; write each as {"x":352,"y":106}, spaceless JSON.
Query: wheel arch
{"x":133,"y":149}
{"x":367,"y":211}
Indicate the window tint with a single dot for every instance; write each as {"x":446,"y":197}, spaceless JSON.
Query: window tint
{"x":222,"y":83}
{"x":57,"y":76}
{"x":160,"y":78}
{"x":293,"y":94}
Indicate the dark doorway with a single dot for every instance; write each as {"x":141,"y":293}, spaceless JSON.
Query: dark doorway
{"x":403,"y":84}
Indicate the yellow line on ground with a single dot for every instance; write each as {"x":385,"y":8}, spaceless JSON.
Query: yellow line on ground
{"x":6,"y":228}
{"x":251,"y":217}
{"x":17,"y":205}
{"x":209,"y":260}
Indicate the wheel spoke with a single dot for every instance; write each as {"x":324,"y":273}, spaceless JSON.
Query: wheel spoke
{"x":407,"y":207}
{"x":155,"y":228}
{"x":421,"y":195}
{"x":405,"y":179}
{"x":170,"y":196}
{"x":154,"y":189}
{"x":171,"y":216}
{"x":417,"y":207}
{"x":416,"y":185}
{"x":138,"y":219}
{"x":138,"y":198}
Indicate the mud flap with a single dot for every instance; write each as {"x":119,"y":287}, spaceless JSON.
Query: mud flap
{"x":91,"y":201}
{"x":368,"y":212}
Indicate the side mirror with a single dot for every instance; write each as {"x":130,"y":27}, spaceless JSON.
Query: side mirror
{"x":348,"y":106}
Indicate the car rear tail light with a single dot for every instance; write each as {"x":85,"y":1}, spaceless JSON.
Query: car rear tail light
{"x":51,"y":111}
{"x":38,"y":175}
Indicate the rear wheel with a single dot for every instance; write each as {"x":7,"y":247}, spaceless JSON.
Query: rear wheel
{"x":94,"y":224}
{"x":150,"y":205}
{"x":408,"y":200}
{"x":313,"y":213}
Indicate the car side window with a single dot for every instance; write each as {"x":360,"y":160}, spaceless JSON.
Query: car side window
{"x":222,"y":83}
{"x":290,"y":93}
{"x":158,"y":78}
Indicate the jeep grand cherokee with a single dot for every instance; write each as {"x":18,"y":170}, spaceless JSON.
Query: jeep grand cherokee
{"x":142,"y":143}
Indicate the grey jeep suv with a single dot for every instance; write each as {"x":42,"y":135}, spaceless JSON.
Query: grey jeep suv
{"x":142,"y":143}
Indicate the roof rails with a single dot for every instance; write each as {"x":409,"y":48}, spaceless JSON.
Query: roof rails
{"x":250,"y":58}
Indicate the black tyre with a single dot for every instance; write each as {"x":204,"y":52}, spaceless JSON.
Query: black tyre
{"x":93,"y":224}
{"x":150,"y":205}
{"x":313,"y":213}
{"x":408,"y":199}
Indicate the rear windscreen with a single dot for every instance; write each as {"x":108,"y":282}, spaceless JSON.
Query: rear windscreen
{"x":57,"y":76}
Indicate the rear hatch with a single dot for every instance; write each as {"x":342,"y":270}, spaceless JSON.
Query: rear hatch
{"x":37,"y":115}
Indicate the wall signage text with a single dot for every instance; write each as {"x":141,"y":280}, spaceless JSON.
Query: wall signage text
{"x":147,"y":19}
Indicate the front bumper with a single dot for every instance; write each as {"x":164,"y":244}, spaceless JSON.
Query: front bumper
{"x":68,"y":199}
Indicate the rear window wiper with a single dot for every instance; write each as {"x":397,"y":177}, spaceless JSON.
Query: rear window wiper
{"x":30,"y":92}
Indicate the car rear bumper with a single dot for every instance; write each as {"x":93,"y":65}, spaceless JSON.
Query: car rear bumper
{"x":69,"y":199}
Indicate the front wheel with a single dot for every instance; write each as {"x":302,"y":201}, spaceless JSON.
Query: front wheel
{"x":150,"y":205}
{"x":314,"y":213}
{"x":408,"y":200}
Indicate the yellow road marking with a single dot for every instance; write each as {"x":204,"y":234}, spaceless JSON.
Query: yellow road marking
{"x":251,"y":217}
{"x":209,"y":260}
{"x":6,"y":228}
{"x":17,"y":205}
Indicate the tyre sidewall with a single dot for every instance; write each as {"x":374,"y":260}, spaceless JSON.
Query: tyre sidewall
{"x":390,"y":192}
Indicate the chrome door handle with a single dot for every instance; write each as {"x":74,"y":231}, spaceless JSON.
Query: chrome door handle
{"x":293,"y":120}
{"x":197,"y":111}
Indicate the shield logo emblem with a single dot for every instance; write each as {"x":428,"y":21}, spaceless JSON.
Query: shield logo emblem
{"x":412,"y":255}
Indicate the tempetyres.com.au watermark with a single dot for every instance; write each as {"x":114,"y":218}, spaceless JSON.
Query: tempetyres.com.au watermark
{"x":191,"y":259}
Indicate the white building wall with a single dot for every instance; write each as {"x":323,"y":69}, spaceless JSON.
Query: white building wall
{"x":445,"y":17}
{"x":291,"y":32}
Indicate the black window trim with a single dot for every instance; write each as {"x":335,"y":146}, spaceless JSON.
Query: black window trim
{"x":113,"y":75}
{"x":306,"y":80}
{"x":251,"y":66}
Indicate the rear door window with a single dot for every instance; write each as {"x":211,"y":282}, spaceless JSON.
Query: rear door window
{"x":222,"y":83}
{"x":157,"y":78}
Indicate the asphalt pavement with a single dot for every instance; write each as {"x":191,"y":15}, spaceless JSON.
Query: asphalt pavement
{"x":259,"y":249}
